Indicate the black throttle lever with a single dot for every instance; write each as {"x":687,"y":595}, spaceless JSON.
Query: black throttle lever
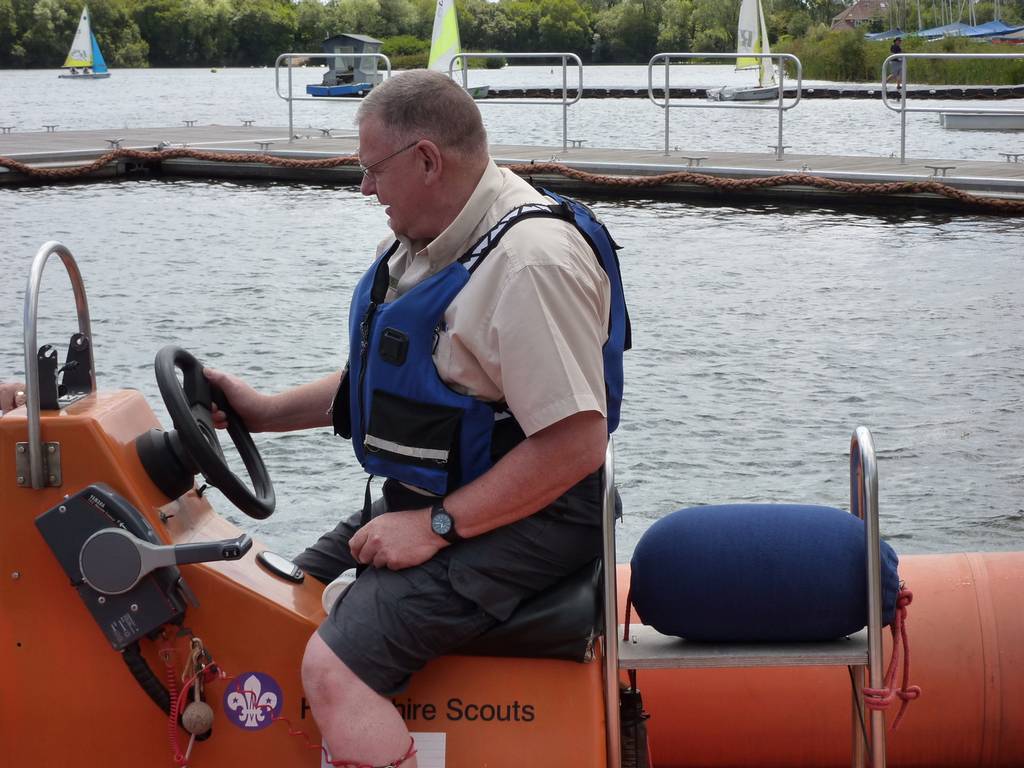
{"x":113,"y":561}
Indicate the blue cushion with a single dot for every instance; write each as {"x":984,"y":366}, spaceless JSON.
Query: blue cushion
{"x":757,"y":572}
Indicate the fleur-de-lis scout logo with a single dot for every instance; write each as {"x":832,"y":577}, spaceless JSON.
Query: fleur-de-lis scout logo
{"x":252,"y":701}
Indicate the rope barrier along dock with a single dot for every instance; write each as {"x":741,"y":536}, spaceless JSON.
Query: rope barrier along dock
{"x":830,"y":91}
{"x":980,"y":186}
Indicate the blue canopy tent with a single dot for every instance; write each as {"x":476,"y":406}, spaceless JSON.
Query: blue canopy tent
{"x":889,"y":34}
{"x":959,"y":29}
{"x":991,"y":28}
{"x":956,"y":29}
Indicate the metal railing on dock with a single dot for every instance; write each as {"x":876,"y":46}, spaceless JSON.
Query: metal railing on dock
{"x":290,"y":97}
{"x":565,"y":101}
{"x":780,"y":103}
{"x":904,"y":60}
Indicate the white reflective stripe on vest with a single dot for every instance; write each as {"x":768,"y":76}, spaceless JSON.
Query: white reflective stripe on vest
{"x":379,"y":444}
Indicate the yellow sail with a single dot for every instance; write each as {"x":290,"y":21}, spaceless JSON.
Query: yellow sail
{"x":444,"y":42}
{"x":80,"y":54}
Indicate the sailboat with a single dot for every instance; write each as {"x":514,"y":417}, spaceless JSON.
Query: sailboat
{"x":445,"y":46}
{"x":84,"y":61}
{"x":751,"y":37}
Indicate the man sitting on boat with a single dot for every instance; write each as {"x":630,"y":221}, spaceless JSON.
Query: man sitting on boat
{"x":505,"y":357}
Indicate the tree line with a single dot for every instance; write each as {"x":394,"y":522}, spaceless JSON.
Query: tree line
{"x":191,"y":33}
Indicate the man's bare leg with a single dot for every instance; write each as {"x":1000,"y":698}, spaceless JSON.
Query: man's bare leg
{"x":357,"y":723}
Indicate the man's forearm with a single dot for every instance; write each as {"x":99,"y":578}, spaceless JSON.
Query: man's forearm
{"x":302,"y":407}
{"x":531,"y":475}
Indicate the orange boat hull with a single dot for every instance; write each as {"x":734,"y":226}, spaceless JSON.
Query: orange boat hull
{"x":68,"y":697}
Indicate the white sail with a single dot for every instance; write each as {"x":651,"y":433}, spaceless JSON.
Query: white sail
{"x":766,"y":75}
{"x":748,"y":34}
{"x":752,"y":37}
{"x":444,"y":42}
{"x":80,"y":54}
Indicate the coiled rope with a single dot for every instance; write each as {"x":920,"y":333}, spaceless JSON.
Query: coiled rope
{"x":551,"y":168}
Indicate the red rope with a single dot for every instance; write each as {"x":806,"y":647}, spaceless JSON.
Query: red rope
{"x":408,"y":753}
{"x":167,"y":654}
{"x":881,"y":698}
{"x":341,"y":763}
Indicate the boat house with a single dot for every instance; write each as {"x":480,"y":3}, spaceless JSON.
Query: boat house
{"x":350,"y":68}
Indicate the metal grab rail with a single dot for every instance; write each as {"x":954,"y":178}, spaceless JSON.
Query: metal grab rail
{"x":864,"y":504}
{"x":780,"y":103}
{"x":292,"y":98}
{"x":903,"y":109}
{"x":566,"y":102}
{"x":613,"y":742}
{"x":35,"y":277}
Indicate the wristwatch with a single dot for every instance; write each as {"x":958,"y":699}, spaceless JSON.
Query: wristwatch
{"x":442,"y":523}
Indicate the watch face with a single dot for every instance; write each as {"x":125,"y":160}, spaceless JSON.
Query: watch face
{"x":441,"y":523}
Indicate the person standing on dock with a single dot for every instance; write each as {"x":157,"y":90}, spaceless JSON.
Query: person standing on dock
{"x":896,"y":65}
{"x":505,"y":339}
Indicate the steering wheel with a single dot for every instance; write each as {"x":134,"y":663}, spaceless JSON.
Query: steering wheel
{"x":189,"y":405}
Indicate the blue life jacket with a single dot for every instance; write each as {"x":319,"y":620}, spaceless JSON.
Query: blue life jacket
{"x":404,"y":421}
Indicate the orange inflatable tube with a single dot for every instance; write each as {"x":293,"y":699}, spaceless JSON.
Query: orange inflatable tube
{"x":966,"y":629}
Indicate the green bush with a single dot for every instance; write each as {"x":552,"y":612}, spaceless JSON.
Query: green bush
{"x":409,"y":60}
{"x":403,"y":45}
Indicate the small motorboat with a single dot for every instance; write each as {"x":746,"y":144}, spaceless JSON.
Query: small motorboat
{"x":142,"y":628}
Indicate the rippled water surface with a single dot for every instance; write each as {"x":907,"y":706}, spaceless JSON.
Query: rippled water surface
{"x":762,"y":337}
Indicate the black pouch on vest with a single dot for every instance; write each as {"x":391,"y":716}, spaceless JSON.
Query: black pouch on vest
{"x":341,"y":416}
{"x":410,"y":432}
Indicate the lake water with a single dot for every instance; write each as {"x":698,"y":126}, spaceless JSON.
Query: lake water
{"x":166,"y":97}
{"x":762,"y":335}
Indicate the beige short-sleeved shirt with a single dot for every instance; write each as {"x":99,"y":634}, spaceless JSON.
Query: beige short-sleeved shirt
{"x":529,"y":327}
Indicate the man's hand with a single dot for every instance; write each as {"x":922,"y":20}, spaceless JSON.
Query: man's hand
{"x":12,"y":395}
{"x":396,"y":540}
{"x":249,"y":404}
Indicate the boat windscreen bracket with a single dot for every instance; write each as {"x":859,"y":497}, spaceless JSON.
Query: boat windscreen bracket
{"x":76,"y":379}
{"x":52,"y":476}
{"x":49,"y":391}
{"x":78,"y":367}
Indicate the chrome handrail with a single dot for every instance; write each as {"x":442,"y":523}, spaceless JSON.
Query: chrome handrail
{"x":611,"y":612}
{"x":565,"y":103}
{"x":291,"y":98}
{"x":780,"y":103}
{"x":903,"y":109}
{"x":35,"y":443}
{"x":864,"y":504}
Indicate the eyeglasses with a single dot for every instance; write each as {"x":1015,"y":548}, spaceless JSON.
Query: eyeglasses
{"x":368,"y":169}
